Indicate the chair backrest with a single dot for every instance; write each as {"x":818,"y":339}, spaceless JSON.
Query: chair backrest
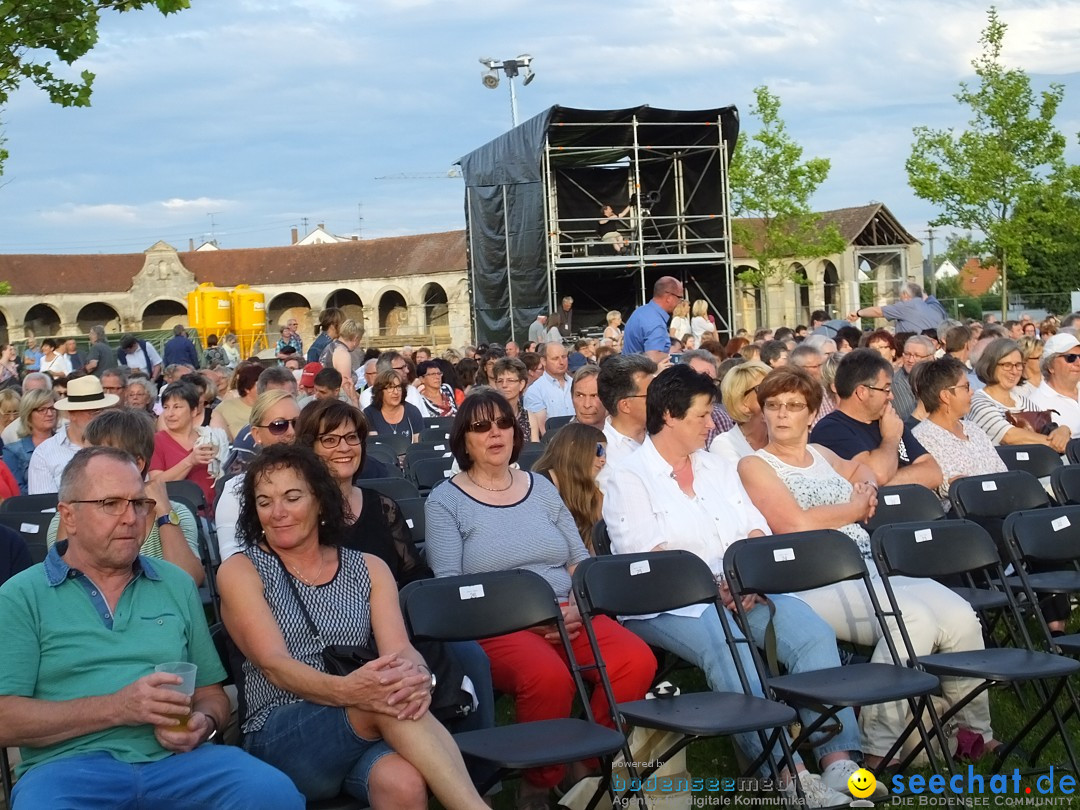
{"x":188,"y":492}
{"x":399,"y":444}
{"x":529,"y":454}
{"x":477,"y":606}
{"x":419,"y":451}
{"x":1072,"y":451}
{"x":412,"y":510}
{"x":997,"y":494}
{"x":556,"y":422}
{"x":933,"y":548}
{"x":1046,"y":535}
{"x":384,"y":453}
{"x":650,"y":582}
{"x":1065,"y":483}
{"x":33,"y":527}
{"x":788,"y":563}
{"x":444,"y":423}
{"x":429,"y":472}
{"x":435,"y":434}
{"x":45,"y":502}
{"x":601,"y":540}
{"x":1038,"y":459}
{"x":905,"y":502}
{"x":397,"y":488}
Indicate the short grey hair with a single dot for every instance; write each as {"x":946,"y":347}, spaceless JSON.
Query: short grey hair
{"x":145,"y":384}
{"x":38,"y":375}
{"x":704,"y":355}
{"x":921,"y":340}
{"x":818,"y":342}
{"x":986,"y":365}
{"x":98,"y":332}
{"x":74,"y":478}
{"x":30,"y":402}
{"x":912,"y":289}
{"x":802,"y":353}
{"x":276,"y":376}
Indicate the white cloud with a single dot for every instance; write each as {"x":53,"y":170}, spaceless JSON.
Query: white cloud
{"x":101,"y":213}
{"x":198,"y":205}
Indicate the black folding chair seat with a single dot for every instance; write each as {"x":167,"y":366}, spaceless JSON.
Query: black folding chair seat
{"x":1002,"y":664}
{"x":560,"y":740}
{"x":982,"y":599}
{"x":845,"y":686}
{"x":708,"y":714}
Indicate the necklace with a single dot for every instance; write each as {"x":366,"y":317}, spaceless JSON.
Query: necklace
{"x":676,"y":473}
{"x":314,"y":579}
{"x":493,"y":489}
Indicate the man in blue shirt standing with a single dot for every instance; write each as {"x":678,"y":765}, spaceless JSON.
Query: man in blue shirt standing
{"x":913,"y":312}
{"x":647,"y":330}
{"x":179,"y":350}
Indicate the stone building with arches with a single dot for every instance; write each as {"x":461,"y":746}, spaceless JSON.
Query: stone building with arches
{"x":405,"y":290}
{"x":880,"y":255}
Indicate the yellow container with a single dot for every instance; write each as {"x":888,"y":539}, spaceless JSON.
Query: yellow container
{"x":214,"y":309}
{"x":249,"y":319}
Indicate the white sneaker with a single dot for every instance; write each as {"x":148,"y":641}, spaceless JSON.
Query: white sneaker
{"x":837,"y":774}
{"x":817,"y":793}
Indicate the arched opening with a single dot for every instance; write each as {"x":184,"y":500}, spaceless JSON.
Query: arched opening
{"x":42,"y":320}
{"x":393,"y":314}
{"x":164,"y":315}
{"x":4,"y":337}
{"x":802,"y":287}
{"x":751,"y":295}
{"x":349,"y":303}
{"x":831,"y":280}
{"x":436,"y":311}
{"x":285,"y":306}
{"x":98,"y":314}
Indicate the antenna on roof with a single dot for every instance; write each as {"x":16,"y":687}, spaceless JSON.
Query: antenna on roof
{"x":213,"y":236}
{"x":360,"y":220}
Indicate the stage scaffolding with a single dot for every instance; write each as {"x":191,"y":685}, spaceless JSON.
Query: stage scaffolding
{"x":533,"y":202}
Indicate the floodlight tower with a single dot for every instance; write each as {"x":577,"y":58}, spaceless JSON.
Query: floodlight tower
{"x":522,"y":66}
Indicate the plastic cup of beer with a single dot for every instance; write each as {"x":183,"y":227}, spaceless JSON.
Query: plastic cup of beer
{"x":186,"y":671}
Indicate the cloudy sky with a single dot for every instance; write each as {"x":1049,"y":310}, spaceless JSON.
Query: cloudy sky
{"x":264,"y":113}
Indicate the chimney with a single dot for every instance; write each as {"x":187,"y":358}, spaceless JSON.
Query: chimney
{"x":295,"y":236}
{"x":355,"y":238}
{"x":321,"y":226}
{"x":191,"y":245}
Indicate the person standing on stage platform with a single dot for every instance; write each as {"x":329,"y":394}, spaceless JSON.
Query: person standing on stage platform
{"x":647,"y":330}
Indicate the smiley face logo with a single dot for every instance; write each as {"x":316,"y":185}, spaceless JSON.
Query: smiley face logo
{"x":861,"y":783}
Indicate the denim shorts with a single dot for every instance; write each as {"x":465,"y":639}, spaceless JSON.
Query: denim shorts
{"x":317,"y":747}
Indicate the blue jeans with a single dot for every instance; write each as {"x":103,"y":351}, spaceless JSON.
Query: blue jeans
{"x":318,"y":748}
{"x":804,"y":643}
{"x":209,"y":777}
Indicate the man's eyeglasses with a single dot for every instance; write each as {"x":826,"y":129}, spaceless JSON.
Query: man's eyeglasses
{"x":1070,"y":357}
{"x":885,"y":389}
{"x":279,"y":427}
{"x":332,"y":440}
{"x":484,"y":425}
{"x":399,"y":368}
{"x":118,"y":506}
{"x":912,"y":356}
{"x":965,"y":385}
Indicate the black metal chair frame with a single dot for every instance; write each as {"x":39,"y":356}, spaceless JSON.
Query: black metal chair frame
{"x":21,"y":522}
{"x":479,"y":606}
{"x":951,"y":547}
{"x":904,"y":502}
{"x":190,"y":495}
{"x":1065,"y":483}
{"x":789,"y":563}
{"x":1039,"y":460}
{"x":654,"y":582}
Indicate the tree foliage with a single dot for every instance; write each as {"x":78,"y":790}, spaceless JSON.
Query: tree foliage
{"x":980,"y":177}
{"x":1052,"y":250}
{"x":66,"y":29}
{"x":772,"y":184}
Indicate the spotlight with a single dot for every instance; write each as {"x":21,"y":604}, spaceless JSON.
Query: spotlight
{"x":490,"y":79}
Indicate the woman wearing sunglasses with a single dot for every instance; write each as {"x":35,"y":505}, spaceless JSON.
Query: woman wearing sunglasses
{"x":1000,"y":367}
{"x":1060,"y":367}
{"x":273,"y":421}
{"x":571,"y":461}
{"x":490,"y":517}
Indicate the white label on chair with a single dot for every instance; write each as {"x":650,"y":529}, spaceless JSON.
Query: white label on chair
{"x":892,"y":500}
{"x":783,"y":554}
{"x":409,"y":522}
{"x":439,"y":447}
{"x":639,"y":567}
{"x":471,"y":591}
{"x":29,"y":528}
{"x":447,"y":473}
{"x":989,"y":486}
{"x":1023,"y":455}
{"x":922,"y":535}
{"x":1060,"y":523}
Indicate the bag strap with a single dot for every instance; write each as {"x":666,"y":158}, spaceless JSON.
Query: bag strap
{"x":312,"y":628}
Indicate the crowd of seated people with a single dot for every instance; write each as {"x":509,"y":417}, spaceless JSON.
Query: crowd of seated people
{"x":689,"y":453}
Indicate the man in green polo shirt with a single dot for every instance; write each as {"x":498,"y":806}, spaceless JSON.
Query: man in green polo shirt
{"x":82,"y":634}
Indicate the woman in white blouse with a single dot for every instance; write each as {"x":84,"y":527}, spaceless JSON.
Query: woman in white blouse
{"x":670,"y":494}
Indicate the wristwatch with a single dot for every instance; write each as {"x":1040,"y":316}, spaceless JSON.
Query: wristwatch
{"x":171,"y":518}
{"x":434,"y":680}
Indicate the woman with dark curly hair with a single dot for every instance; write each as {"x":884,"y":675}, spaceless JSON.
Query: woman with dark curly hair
{"x":368,"y":733}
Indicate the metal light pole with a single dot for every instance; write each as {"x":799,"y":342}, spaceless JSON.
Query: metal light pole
{"x":512,"y":68}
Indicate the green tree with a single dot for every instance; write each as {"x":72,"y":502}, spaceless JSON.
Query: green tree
{"x":772,"y":185}
{"x":980,"y":177}
{"x":1052,"y":250}
{"x":68,"y":29}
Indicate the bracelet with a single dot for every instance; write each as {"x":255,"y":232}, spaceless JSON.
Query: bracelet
{"x":210,"y":718}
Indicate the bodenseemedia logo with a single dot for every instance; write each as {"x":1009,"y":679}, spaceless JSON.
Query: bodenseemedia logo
{"x":1000,"y":789}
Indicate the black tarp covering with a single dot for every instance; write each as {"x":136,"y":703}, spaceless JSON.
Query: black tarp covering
{"x":505,"y":196}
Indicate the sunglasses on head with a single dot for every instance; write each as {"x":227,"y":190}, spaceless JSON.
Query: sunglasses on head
{"x":484,"y":425}
{"x":279,"y":427}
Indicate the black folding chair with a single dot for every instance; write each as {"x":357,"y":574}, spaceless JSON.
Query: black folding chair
{"x":33,"y":527}
{"x":1065,"y":483}
{"x":397,"y":488}
{"x":45,"y":502}
{"x":435,"y":434}
{"x":789,"y":563}
{"x":191,"y":496}
{"x":412,"y":510}
{"x":956,"y":546}
{"x":480,"y":606}
{"x":386,"y":454}
{"x":415,"y":452}
{"x":1038,"y":459}
{"x":1072,"y":451}
{"x":444,"y":423}
{"x":601,"y":540}
{"x":398,"y":444}
{"x":654,"y":582}
{"x":904,"y":502}
{"x":428,"y":473}
{"x":553,"y":423}
{"x":529,"y":454}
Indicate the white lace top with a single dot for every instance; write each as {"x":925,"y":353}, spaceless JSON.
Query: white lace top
{"x":819,"y":485}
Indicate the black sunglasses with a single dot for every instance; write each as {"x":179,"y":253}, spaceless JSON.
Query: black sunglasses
{"x":1070,"y":357}
{"x":484,"y":425}
{"x":279,"y":427}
